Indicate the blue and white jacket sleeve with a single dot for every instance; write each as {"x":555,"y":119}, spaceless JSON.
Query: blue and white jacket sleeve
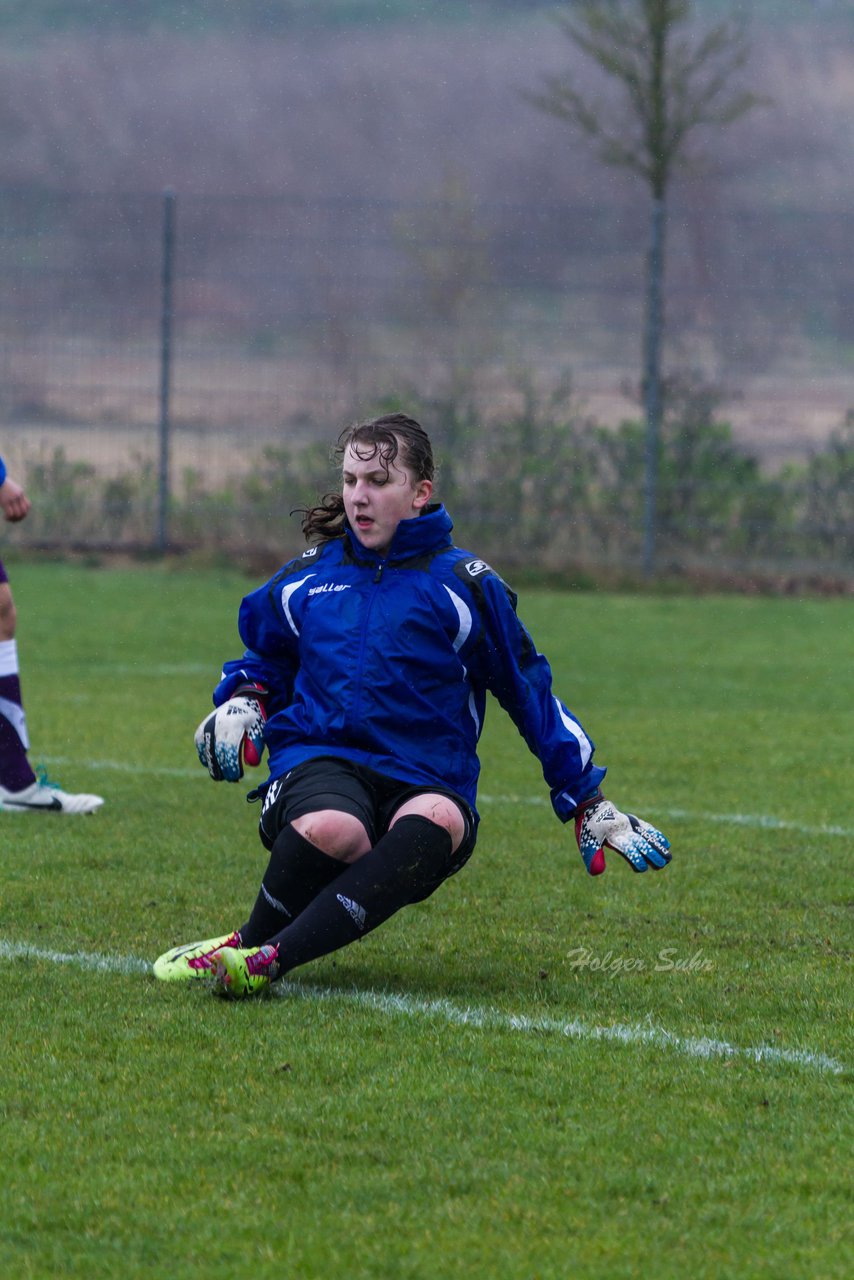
{"x":2,"y":470}
{"x":521,"y":679}
{"x":270,"y":659}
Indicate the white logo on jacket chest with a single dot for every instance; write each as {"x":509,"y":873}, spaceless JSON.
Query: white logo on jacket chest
{"x":329,"y":586}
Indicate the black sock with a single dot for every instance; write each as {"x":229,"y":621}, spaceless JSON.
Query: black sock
{"x":296,"y":873}
{"x":406,"y":865}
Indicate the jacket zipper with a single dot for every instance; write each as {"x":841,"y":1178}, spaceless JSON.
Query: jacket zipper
{"x":363,"y":642}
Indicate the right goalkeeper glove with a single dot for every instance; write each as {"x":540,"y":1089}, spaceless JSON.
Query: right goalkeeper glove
{"x":599,"y":825}
{"x":231,"y":736}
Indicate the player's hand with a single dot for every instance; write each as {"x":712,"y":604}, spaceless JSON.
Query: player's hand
{"x":231,"y":736}
{"x":600,"y":826}
{"x":14,"y":503}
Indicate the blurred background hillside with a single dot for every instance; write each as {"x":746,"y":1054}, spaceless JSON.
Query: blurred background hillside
{"x":368,"y":210}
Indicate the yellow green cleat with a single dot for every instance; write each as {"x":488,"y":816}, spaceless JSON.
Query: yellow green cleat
{"x":242,"y":973}
{"x":193,"y":959}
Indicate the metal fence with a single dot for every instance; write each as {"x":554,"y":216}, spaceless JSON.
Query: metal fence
{"x":162,"y":355}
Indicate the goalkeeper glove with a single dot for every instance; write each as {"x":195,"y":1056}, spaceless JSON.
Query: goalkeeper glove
{"x":233,"y":735}
{"x":600,"y":826}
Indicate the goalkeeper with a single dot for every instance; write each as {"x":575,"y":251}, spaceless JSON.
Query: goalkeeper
{"x":367,"y":664}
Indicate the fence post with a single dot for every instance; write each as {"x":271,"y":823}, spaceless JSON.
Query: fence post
{"x":168,"y":253}
{"x":652,"y":384}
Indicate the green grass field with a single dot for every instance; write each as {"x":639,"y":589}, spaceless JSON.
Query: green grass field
{"x":534,"y":1075}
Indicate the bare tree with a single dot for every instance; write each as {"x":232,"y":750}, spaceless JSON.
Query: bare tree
{"x":671,"y":85}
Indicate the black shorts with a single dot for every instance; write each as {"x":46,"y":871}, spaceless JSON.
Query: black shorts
{"x":4,"y":577}
{"x":329,"y":782}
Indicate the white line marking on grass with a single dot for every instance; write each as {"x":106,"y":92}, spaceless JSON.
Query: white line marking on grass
{"x":759,"y":820}
{"x":161,"y":668}
{"x":126,"y":766}
{"x":495,"y":1019}
{"x":764,"y":821}
{"x":80,"y":959}
{"x":446,"y":1011}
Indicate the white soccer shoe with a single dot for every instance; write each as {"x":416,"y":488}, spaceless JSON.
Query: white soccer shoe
{"x":43,"y":796}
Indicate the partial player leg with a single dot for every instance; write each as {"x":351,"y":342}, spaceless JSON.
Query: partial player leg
{"x":15,"y":771}
{"x":297,"y":871}
{"x":407,"y":864}
{"x":20,"y":790}
{"x":299,"y":868}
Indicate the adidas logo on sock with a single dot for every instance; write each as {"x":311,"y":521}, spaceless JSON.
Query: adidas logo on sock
{"x":353,"y":909}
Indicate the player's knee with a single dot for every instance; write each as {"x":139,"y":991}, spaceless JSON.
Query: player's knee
{"x":439,"y":809}
{"x":340,"y":835}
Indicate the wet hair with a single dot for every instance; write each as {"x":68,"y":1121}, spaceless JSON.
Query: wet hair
{"x":394,"y":438}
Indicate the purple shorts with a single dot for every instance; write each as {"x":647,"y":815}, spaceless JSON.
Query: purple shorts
{"x":4,"y":577}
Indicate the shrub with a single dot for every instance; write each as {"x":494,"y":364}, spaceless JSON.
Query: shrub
{"x":824,"y":491}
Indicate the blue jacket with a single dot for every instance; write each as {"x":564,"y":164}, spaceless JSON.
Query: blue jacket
{"x":387,"y":661}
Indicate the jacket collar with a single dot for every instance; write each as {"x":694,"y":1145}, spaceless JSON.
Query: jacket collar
{"x":415,"y":537}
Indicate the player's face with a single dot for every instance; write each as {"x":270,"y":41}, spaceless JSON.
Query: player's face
{"x":378,"y":496}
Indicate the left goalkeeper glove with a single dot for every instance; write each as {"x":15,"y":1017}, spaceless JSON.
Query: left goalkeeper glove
{"x":232,"y":734}
{"x":600,"y":826}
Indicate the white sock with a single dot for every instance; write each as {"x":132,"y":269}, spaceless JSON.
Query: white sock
{"x":12,"y":711}
{"x":8,"y":657}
